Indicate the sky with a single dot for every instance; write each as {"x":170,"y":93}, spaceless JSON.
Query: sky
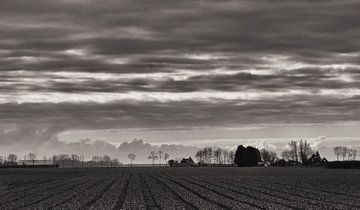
{"x":179,"y":71}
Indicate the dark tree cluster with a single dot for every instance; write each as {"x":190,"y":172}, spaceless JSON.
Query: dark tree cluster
{"x":249,"y":156}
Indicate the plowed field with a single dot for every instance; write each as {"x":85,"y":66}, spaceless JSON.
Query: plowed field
{"x":180,"y":188}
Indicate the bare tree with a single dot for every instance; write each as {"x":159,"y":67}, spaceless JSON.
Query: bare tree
{"x":32,"y":157}
{"x":208,"y":152}
{"x":63,"y":158}
{"x":54,"y":159}
{"x":286,"y":154}
{"x":305,"y":151}
{"x":294,"y":151}
{"x":74,"y":158}
{"x":12,"y":159}
{"x":268,"y":156}
{"x":166,"y":157}
{"x":1,"y":160}
{"x":82,"y":161}
{"x":337,"y":152}
{"x":132,"y":157}
{"x":153,"y":156}
{"x":116,"y":162}
{"x":106,"y":159}
{"x":354,"y":153}
{"x":225,"y":154}
{"x":231,"y":157}
{"x":217,"y":155}
{"x":160,"y":156}
{"x":97,"y":159}
{"x":200,"y":155}
{"x":344,"y":152}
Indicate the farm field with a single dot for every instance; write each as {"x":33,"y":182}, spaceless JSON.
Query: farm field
{"x":180,"y":188}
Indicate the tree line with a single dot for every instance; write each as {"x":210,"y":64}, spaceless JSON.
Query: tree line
{"x":295,"y":153}
{"x":209,"y":155}
{"x":345,"y":152}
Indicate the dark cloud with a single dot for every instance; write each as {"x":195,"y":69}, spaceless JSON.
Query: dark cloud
{"x":173,"y":47}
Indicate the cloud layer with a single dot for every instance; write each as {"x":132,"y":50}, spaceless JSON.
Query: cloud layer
{"x":123,"y":64}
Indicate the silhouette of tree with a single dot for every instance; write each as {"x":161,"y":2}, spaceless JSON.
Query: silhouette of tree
{"x":166,"y":156}
{"x":232,"y":157}
{"x":344,"y":151}
{"x":294,"y":151}
{"x":200,"y":155}
{"x":249,"y":156}
{"x":12,"y":159}
{"x":225,"y":156}
{"x":107,"y":160}
{"x":268,"y":156}
{"x":286,"y":154}
{"x":208,"y":154}
{"x":305,"y":151}
{"x":217,"y":155}
{"x":353,"y":153}
{"x":97,"y":159}
{"x":160,"y":156}
{"x":153,"y":156}
{"x":74,"y":158}
{"x":32,"y":157}
{"x":63,"y":158}
{"x":132,"y":158}
{"x":82,"y":161}
{"x":337,"y":151}
{"x":54,"y":159}
{"x":1,"y":160}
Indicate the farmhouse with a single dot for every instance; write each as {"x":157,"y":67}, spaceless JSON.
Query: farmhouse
{"x":187,"y":162}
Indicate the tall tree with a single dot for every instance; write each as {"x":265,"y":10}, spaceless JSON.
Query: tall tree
{"x":294,"y":151}
{"x":305,"y":151}
{"x":160,"y":153}
{"x":344,"y":151}
{"x":32,"y":157}
{"x":107,"y":160}
{"x":153,"y":156}
{"x":82,"y":161}
{"x":268,"y":156}
{"x":12,"y":159}
{"x":74,"y":157}
{"x":63,"y":158}
{"x":248,"y":156}
{"x":132,"y":157}
{"x":354,"y":153}
{"x":208,"y":154}
{"x":217,"y":155}
{"x":166,"y":157}
{"x":225,"y":156}
{"x":200,"y":155}
{"x":286,"y":155}
{"x":337,"y":152}
{"x":231,"y":157}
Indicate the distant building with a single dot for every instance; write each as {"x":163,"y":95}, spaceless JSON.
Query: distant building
{"x":35,"y":162}
{"x":187,"y":162}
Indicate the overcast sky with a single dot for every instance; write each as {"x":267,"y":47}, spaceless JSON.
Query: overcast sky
{"x":85,"y":65}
